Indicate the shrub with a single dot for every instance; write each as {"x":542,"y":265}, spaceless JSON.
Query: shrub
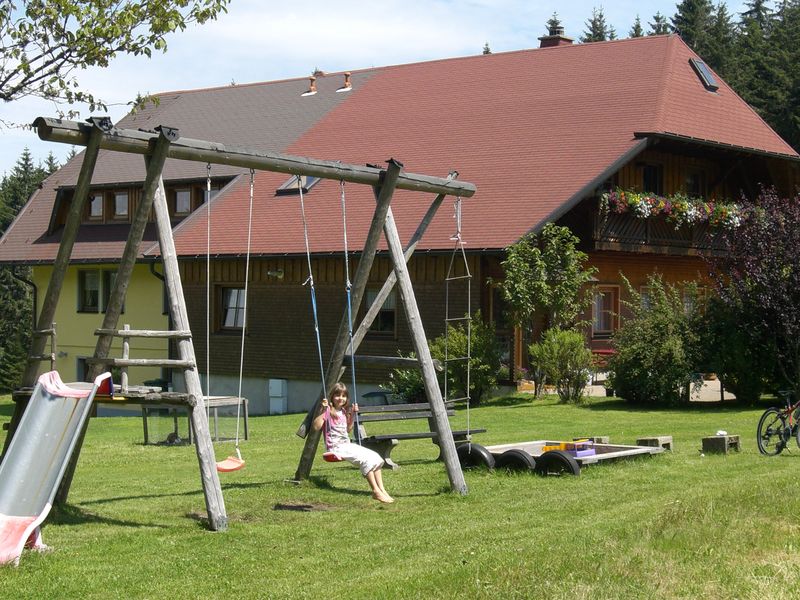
{"x":657,"y":348}
{"x":744,"y":363}
{"x":485,"y":365}
{"x":566,"y":362}
{"x":484,"y":359}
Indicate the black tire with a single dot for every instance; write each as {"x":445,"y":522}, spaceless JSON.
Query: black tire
{"x":473,"y":456}
{"x":770,"y":435}
{"x":557,"y":462}
{"x":515,"y":460}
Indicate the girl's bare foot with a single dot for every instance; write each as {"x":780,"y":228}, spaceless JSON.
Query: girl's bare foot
{"x":382,"y":497}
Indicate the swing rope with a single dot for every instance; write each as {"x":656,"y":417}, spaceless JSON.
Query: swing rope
{"x":244,"y":310}
{"x":232,"y":463}
{"x":348,"y":288}
{"x":458,"y":250}
{"x":310,"y":283}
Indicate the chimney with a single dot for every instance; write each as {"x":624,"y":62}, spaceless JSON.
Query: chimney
{"x":347,"y":83}
{"x":312,"y":87}
{"x":555,"y":37}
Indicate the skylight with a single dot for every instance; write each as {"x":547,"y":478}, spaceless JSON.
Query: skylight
{"x":295,"y":183}
{"x":705,"y":74}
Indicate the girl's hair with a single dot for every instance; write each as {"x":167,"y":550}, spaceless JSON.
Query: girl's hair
{"x":340,"y":388}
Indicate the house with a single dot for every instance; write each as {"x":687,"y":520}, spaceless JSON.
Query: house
{"x":543,"y":133}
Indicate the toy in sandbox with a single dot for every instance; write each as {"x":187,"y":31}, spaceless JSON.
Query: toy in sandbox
{"x":548,"y":457}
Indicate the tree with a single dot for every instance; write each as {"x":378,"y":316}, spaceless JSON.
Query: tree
{"x":597,"y":29}
{"x":16,"y":302}
{"x":45,"y":42}
{"x":721,"y":39}
{"x":659,"y":26}
{"x":692,"y":22}
{"x":636,"y":31}
{"x":554,"y":24}
{"x":758,"y":11}
{"x":545,"y":275}
{"x":758,"y":278}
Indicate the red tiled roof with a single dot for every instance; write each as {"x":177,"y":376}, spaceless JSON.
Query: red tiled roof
{"x":531,"y":129}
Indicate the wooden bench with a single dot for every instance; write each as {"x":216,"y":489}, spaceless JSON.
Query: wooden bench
{"x":384,"y":443}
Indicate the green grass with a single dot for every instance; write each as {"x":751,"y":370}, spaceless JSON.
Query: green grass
{"x":676,"y":525}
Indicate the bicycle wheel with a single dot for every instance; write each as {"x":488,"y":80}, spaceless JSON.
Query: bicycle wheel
{"x":770,"y":435}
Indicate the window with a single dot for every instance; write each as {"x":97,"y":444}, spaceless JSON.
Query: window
{"x":232,"y":308}
{"x":384,"y":322}
{"x":705,"y":74}
{"x":96,"y":207}
{"x":183,"y":202}
{"x":95,"y":285}
{"x":645,"y":296}
{"x":89,"y":291}
{"x":605,"y":309}
{"x":295,"y":182}
{"x":694,"y":298}
{"x":653,"y":179}
{"x":695,"y":183}
{"x":120,"y":205}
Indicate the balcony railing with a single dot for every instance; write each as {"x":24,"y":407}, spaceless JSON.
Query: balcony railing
{"x":613,"y":231}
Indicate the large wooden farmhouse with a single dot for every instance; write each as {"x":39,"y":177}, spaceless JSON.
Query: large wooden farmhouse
{"x":542,"y":133}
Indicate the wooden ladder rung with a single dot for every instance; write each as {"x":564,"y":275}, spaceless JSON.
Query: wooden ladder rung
{"x":143,"y":362}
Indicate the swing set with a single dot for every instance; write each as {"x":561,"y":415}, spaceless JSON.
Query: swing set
{"x":165,"y":142}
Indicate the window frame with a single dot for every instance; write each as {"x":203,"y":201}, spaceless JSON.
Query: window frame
{"x":177,"y":192}
{"x":375,"y":328}
{"x":114,"y":196}
{"x":82,"y":307}
{"x":95,"y":199}
{"x":613,"y":311}
{"x":224,"y":308}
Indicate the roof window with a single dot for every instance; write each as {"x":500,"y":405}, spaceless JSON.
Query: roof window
{"x":295,"y":183}
{"x":705,"y":74}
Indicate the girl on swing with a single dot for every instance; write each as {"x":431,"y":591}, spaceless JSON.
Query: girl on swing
{"x":336,"y":420}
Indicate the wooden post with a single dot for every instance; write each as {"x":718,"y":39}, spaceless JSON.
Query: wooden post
{"x":50,"y":300}
{"x":126,"y":354}
{"x":384,"y":198}
{"x":446,"y":443}
{"x":215,"y":503}
{"x":117,"y":297}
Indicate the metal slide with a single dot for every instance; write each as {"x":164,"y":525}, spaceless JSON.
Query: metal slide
{"x":36,"y":458}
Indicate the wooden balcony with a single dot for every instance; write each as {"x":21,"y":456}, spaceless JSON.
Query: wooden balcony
{"x":655,"y":235}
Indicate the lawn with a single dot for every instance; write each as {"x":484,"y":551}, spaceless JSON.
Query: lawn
{"x":676,"y":525}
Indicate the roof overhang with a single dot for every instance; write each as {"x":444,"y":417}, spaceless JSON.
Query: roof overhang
{"x":587,"y":190}
{"x":677,"y":137}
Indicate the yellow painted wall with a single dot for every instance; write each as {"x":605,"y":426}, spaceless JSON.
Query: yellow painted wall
{"x":75,"y":331}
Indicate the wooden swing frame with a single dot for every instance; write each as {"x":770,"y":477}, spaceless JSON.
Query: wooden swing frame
{"x":165,"y":142}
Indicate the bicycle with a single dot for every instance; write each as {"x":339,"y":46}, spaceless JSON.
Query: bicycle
{"x":778,"y":425}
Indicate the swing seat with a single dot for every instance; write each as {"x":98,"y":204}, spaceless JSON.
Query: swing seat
{"x":331,"y":457}
{"x":232,"y":463}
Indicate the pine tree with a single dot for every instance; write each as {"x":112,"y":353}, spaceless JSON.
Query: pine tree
{"x":597,"y":29}
{"x":692,"y":22}
{"x":16,"y":304}
{"x":554,"y":24}
{"x":758,"y":11}
{"x":782,"y":110}
{"x":659,"y":26}
{"x":721,"y":39}
{"x":636,"y":31}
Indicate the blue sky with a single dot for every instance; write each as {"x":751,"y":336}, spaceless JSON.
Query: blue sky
{"x":259,"y":41}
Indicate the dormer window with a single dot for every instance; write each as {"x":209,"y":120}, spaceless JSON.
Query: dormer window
{"x":96,"y":207}
{"x":121,"y":205}
{"x":705,"y":74}
{"x":295,"y":183}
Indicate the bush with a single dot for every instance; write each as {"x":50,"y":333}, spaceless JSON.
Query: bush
{"x":657,"y":349}
{"x":485,"y":365}
{"x":745,"y":364}
{"x":566,"y":362}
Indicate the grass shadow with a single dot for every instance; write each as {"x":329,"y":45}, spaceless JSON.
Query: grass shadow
{"x":74,"y":515}
{"x":196,"y":492}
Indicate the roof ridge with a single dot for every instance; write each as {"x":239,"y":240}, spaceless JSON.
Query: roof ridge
{"x":668,"y":74}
